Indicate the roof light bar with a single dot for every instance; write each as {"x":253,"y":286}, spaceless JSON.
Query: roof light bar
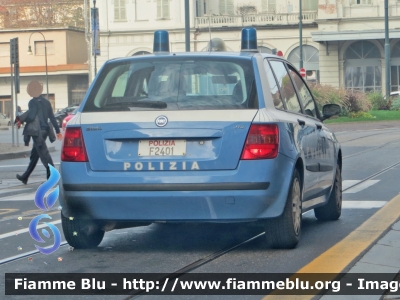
{"x":249,"y":39}
{"x":161,"y":41}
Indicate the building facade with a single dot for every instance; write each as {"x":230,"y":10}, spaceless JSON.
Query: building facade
{"x":343,"y":41}
{"x":55,"y":34}
{"x":351,"y":43}
{"x":67,"y":67}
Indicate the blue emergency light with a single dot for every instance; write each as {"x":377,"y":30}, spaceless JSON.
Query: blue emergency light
{"x":161,"y":41}
{"x":249,"y":39}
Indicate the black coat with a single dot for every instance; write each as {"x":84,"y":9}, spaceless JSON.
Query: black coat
{"x":31,"y":128}
{"x":41,"y":108}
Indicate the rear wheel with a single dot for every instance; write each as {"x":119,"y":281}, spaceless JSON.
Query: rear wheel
{"x":284,"y":232}
{"x":332,"y":210}
{"x":81,"y":234}
{"x":9,"y":123}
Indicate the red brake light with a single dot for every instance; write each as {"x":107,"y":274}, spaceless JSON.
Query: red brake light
{"x":73,"y":148}
{"x":262,"y":142}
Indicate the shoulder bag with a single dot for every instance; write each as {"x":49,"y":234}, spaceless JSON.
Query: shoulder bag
{"x":52,"y":135}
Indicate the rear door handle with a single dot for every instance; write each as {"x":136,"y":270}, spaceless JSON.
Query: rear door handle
{"x":319,"y":126}
{"x":301,"y":122}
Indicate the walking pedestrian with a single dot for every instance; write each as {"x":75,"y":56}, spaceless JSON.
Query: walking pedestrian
{"x":37,"y":128}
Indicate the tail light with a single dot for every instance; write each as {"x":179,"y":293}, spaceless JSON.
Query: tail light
{"x":73,"y":148}
{"x":262,"y":142}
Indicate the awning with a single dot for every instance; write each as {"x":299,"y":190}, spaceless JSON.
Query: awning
{"x":353,"y":35}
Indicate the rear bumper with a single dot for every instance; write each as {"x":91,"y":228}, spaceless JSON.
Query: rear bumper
{"x":255,"y":190}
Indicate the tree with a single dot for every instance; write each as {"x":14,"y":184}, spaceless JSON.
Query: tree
{"x":41,"y":13}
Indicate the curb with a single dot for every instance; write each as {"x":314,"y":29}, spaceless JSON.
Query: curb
{"x":4,"y":128}
{"x":20,"y":154}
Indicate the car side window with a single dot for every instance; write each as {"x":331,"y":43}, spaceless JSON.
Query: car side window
{"x":289,"y":95}
{"x":275,"y":92}
{"x":120,"y":85}
{"x":304,"y":93}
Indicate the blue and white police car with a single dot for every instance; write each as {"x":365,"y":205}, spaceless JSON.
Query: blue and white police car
{"x":199,"y":137}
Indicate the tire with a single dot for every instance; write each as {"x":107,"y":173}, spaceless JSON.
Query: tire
{"x":9,"y":123}
{"x":284,"y":232}
{"x":332,"y":210}
{"x":81,"y":234}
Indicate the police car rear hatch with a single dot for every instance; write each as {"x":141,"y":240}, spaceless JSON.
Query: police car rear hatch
{"x":174,"y":141}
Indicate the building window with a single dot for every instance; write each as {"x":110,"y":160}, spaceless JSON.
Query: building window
{"x":310,"y":5}
{"x":77,"y":87}
{"x":6,"y":105}
{"x":52,"y":100}
{"x":226,"y":7}
{"x":4,"y":49}
{"x":120,"y":10}
{"x":363,"y":70}
{"x":268,"y":6}
{"x":310,"y":61}
{"x":362,"y":2}
{"x":39,"y":47}
{"x":395,"y":78}
{"x":395,"y":67}
{"x":201,"y":8}
{"x":163,"y":9}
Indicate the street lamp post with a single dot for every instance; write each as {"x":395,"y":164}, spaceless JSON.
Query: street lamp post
{"x":387,"y":52}
{"x":45,"y":59}
{"x":301,"y":34}
{"x":93,"y":35}
{"x":187,"y":26}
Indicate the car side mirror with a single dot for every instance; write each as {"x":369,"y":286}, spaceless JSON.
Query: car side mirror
{"x":330,"y":110}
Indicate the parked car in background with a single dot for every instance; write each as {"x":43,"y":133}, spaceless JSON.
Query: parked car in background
{"x":61,"y":114}
{"x":393,"y":95}
{"x":4,"y":120}
{"x":69,"y":117}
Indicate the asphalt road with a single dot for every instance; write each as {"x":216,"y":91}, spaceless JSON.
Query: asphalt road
{"x":163,"y":248}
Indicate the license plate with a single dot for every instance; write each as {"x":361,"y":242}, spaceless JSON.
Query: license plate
{"x":162,"y":148}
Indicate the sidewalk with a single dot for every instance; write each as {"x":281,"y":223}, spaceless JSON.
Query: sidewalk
{"x":354,"y":126}
{"x":8,"y":151}
{"x":383,"y":257}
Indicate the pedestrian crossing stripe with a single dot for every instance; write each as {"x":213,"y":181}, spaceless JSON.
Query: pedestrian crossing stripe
{"x":12,"y":190}
{"x":359,"y":187}
{"x":20,"y":197}
{"x":20,"y":231}
{"x":362,"y":204}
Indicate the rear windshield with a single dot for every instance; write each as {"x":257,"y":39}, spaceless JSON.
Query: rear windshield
{"x":174,"y":84}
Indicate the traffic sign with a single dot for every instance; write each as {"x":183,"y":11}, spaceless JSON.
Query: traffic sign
{"x":14,"y":55}
{"x":303,"y":72}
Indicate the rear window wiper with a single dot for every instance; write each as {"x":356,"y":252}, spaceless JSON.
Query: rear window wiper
{"x":145,"y":104}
